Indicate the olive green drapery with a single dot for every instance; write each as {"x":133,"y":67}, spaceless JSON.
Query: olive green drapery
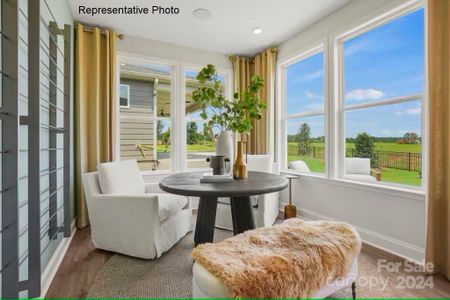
{"x":95,"y":86}
{"x":263,"y":65}
{"x":438,"y":229}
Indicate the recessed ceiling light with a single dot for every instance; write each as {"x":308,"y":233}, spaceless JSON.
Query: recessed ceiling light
{"x":201,"y":14}
{"x":257,"y":30}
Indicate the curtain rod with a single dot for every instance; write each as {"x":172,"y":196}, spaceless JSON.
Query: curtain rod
{"x":121,"y":36}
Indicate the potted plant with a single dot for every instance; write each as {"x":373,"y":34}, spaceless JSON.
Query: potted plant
{"x":229,"y":116}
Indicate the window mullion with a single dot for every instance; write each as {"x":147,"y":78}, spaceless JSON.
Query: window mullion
{"x":389,"y":101}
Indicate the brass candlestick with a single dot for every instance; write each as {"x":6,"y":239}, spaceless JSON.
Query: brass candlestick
{"x":290,"y":211}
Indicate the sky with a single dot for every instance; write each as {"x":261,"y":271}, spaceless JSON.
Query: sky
{"x":383,"y":63}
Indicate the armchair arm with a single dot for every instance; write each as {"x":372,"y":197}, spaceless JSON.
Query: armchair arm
{"x":123,"y":222}
{"x":268,"y":208}
{"x":132,"y":210}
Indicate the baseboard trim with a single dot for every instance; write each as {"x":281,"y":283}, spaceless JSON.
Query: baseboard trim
{"x":54,"y":263}
{"x":383,"y":242}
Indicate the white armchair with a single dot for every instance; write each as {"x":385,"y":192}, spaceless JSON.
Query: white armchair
{"x":265,"y":207}
{"x":130,"y":217}
{"x":299,"y":165}
{"x":359,"y":169}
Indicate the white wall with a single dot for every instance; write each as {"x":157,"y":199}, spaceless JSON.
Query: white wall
{"x":157,"y":49}
{"x":392,"y":220}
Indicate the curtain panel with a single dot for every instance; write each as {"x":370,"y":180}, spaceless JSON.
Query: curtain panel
{"x":438,"y":227}
{"x":263,"y":65}
{"x":95,"y":97}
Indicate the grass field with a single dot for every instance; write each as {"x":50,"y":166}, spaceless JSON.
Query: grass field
{"x":413,"y":148}
{"x":207,"y":147}
{"x":317,"y":165}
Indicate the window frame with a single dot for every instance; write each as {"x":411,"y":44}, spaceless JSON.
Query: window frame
{"x":334,"y":96}
{"x":178,"y":152}
{"x":228,"y":75}
{"x":338,"y":44}
{"x":319,"y":47}
{"x":131,"y":58}
{"x":128,"y":95}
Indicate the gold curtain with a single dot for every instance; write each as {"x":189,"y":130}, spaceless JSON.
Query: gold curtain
{"x":438,"y":229}
{"x":263,"y":65}
{"x":95,"y":86}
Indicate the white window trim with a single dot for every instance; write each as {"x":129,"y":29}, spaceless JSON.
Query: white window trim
{"x":334,"y":102}
{"x":283,"y":66}
{"x":178,"y":153}
{"x":338,"y":44}
{"x":125,"y":57}
{"x":227,"y":73}
{"x":128,"y":96}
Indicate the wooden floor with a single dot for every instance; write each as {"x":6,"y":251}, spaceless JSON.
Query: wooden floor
{"x":82,"y":262}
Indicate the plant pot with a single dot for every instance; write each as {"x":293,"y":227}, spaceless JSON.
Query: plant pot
{"x":224,"y":147}
{"x":240,"y":167}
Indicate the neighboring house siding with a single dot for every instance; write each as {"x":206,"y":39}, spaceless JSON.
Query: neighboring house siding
{"x":136,"y":124}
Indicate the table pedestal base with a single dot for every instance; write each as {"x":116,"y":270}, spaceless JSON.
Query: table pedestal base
{"x":241,"y":214}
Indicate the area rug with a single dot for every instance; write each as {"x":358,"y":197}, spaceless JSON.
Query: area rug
{"x":170,"y":276}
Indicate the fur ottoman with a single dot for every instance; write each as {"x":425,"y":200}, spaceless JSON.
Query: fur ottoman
{"x":295,"y":259}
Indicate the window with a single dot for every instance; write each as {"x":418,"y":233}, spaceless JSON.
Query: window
{"x":305,"y":114}
{"x":384,"y":87}
{"x":200,"y":139}
{"x":145,"y":115}
{"x":161,"y":127}
{"x":373,"y":123}
{"x":125,"y":95}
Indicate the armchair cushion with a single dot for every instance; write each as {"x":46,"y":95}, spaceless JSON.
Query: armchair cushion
{"x":170,"y":205}
{"x":121,"y":177}
{"x":357,"y":165}
{"x":260,"y":163}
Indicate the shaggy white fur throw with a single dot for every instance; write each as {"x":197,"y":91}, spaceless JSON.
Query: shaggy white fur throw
{"x":292,"y":259}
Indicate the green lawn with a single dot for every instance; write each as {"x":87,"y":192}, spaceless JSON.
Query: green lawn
{"x":207,"y":147}
{"x":401,"y":176}
{"x":387,"y":174}
{"x":414,"y":148}
{"x":318,"y":165}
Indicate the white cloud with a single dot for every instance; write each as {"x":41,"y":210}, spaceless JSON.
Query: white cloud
{"x":312,"y":96}
{"x":309,"y":76}
{"x":410,"y":111}
{"x":316,"y":107}
{"x":414,"y":111}
{"x":367,"y":94}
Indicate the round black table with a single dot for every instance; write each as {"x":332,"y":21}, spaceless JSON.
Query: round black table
{"x":239,"y":191}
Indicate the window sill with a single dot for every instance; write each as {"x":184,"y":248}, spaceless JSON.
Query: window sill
{"x":391,"y":190}
{"x":170,"y":172}
{"x":157,"y":173}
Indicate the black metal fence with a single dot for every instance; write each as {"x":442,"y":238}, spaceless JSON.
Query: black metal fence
{"x":388,"y":159}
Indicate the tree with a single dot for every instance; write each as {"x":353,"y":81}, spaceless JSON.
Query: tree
{"x":304,"y":139}
{"x":206,"y":133}
{"x":159,"y":130}
{"x":365,"y":148}
{"x":191,"y":133}
{"x":410,"y":138}
{"x":166,"y":138}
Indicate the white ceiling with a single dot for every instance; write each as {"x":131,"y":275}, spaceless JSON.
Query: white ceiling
{"x":229,"y":31}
